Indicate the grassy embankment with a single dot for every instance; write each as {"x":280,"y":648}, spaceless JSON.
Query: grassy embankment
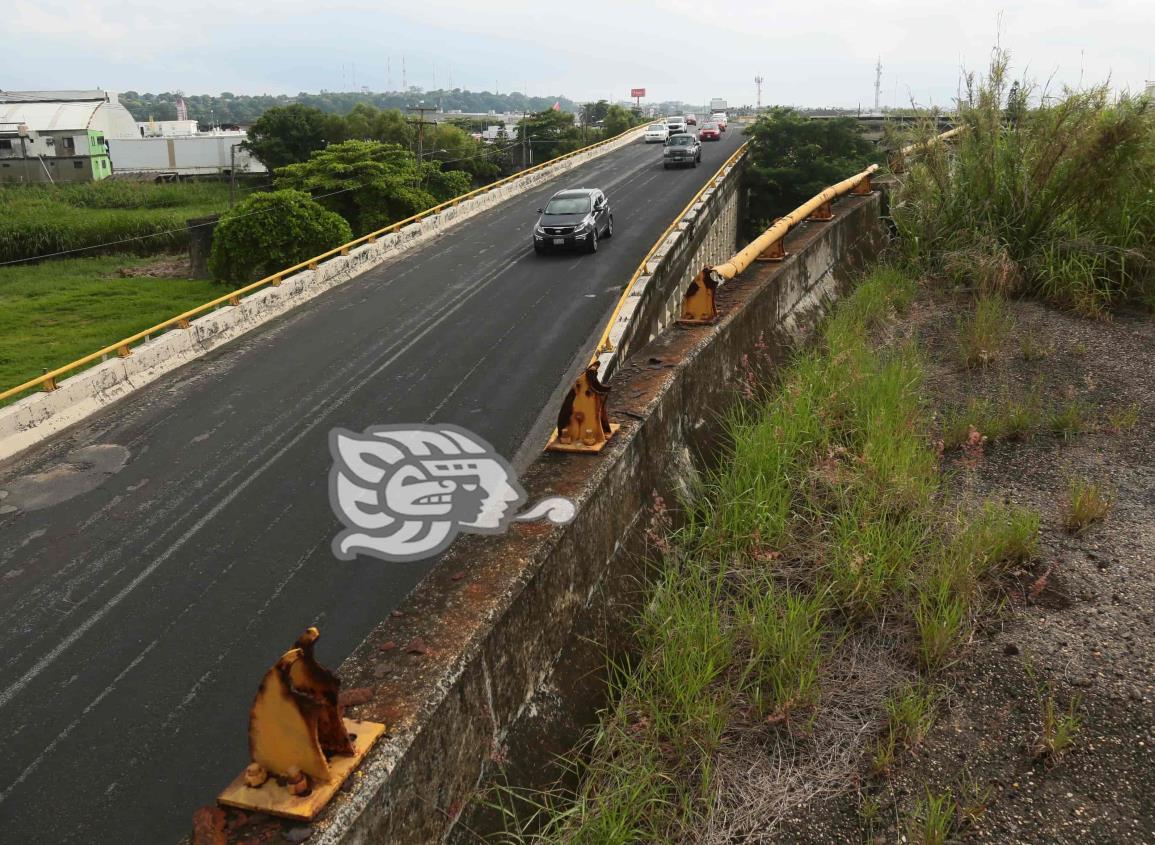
{"x":821,"y":537}
{"x":55,"y":311}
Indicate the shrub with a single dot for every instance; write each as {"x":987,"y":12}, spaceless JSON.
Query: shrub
{"x":269,"y":232}
{"x":1054,"y":198}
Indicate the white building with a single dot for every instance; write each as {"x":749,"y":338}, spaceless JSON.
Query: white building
{"x":59,"y":136}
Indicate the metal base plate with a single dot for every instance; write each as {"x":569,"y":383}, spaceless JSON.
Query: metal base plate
{"x":555,"y":446}
{"x":276,"y":800}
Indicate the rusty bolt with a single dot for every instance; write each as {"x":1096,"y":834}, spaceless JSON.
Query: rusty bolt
{"x":255,"y":775}
{"x":297,"y":782}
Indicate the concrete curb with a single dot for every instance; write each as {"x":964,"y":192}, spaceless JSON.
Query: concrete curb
{"x":43,"y":414}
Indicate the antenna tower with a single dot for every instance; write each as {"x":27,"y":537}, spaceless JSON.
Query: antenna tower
{"x":758,"y":80}
{"x":878,"y":86}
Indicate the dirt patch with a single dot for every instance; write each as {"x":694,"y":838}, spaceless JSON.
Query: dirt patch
{"x":1077,"y":627}
{"x":163,"y":267}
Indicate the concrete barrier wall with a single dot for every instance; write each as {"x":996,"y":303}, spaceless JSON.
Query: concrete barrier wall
{"x":497,"y":660}
{"x":706,"y":235}
{"x":40,"y":415}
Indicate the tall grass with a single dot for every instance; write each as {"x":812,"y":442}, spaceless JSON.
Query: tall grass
{"x":44,"y":219}
{"x":824,"y":522}
{"x":1048,"y":194}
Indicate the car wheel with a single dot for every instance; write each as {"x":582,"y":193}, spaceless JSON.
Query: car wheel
{"x":665,"y":165}
{"x":538,"y":249}
{"x":610,"y":227}
{"x":593,"y":245}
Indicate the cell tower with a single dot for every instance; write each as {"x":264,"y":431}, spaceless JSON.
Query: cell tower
{"x":404,"y":83}
{"x":878,"y":86}
{"x":181,"y":106}
{"x":758,"y":80}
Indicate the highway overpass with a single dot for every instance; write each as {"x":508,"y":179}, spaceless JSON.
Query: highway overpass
{"x":157,"y":558}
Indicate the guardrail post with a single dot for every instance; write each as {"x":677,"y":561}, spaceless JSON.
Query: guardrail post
{"x":583,"y":424}
{"x":123,"y":351}
{"x":49,"y":383}
{"x":776,"y":251}
{"x":823,"y":214}
{"x":234,"y":300}
{"x":699,"y":306}
{"x":863,"y":188}
{"x":182,"y":323}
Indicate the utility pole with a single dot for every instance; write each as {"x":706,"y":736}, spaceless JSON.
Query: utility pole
{"x":758,"y":80}
{"x":232,"y":173}
{"x":404,"y":83}
{"x":421,"y":123}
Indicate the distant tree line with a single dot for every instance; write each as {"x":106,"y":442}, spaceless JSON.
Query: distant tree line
{"x":244,"y":109}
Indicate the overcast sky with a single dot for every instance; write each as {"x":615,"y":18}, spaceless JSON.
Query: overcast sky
{"x":811,"y":52}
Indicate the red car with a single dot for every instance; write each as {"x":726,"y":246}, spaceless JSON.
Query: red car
{"x":691,"y":120}
{"x":709,"y":132}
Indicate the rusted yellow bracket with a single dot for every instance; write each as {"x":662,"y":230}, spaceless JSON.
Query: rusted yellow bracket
{"x":583,"y":424}
{"x":301,"y":747}
{"x":699,"y":306}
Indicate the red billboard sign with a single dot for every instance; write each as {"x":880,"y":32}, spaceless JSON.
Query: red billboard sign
{"x":637,"y":92}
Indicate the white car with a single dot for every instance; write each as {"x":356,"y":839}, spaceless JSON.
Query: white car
{"x":657,"y":132}
{"x":720,"y":119}
{"x":676,"y":125}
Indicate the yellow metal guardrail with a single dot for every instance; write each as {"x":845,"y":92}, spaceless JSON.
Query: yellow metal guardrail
{"x":123,"y":348}
{"x":582,"y":424}
{"x":604,"y":344}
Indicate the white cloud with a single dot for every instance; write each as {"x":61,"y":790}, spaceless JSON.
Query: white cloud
{"x":817,"y":52}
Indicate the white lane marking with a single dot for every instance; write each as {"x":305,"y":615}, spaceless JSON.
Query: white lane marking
{"x":46,"y":661}
{"x":63,"y":735}
{"x":268,"y":441}
{"x":7,"y":695}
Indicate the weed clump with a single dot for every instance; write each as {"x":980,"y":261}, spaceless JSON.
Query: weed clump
{"x":1041,"y":194}
{"x":1086,"y":504}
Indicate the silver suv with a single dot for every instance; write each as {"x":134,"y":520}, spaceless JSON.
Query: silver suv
{"x":676,"y":125}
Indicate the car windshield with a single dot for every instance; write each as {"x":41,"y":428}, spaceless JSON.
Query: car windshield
{"x":710,"y":126}
{"x":657,"y":126}
{"x":568,"y":205}
{"x":681,"y":141}
{"x":674,"y":121}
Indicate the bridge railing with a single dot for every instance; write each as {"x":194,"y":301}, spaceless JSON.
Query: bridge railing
{"x":583,"y":422}
{"x":123,"y":348}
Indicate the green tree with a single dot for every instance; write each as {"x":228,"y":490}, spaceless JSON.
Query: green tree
{"x":268,"y":232}
{"x":369,"y":123}
{"x":456,"y":148}
{"x":284,"y":136}
{"x":793,"y":157}
{"x":372,"y":184}
{"x":618,"y":120}
{"x":551,"y":133}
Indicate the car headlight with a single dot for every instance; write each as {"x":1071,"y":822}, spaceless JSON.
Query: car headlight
{"x":537,"y":230}
{"x":585,"y":224}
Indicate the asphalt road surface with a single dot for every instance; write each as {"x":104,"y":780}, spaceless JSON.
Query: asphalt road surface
{"x":158,"y":558}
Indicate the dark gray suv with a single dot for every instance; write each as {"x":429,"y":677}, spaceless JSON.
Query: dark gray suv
{"x":573,"y":219}
{"x":681,"y":149}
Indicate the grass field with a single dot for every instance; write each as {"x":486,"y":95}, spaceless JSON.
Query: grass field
{"x":43,"y":219}
{"x":58,"y":311}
